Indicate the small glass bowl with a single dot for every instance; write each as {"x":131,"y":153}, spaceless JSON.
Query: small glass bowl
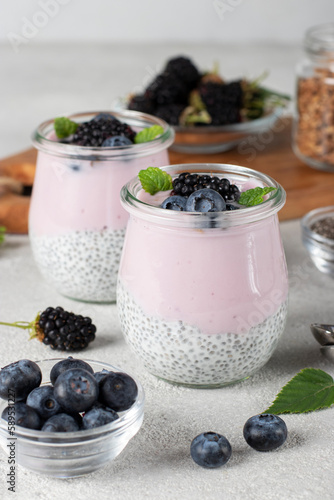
{"x":321,"y":249}
{"x":73,"y":454}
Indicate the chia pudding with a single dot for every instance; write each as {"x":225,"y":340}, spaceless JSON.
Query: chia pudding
{"x":202,"y":298}
{"x":177,"y":351}
{"x":76,"y":221}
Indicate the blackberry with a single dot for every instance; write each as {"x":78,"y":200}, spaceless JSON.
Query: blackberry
{"x":94,"y":132}
{"x":140,"y":102}
{"x":223,"y":101}
{"x":170,"y":113}
{"x":184,"y":69}
{"x":187,"y":183}
{"x":167,"y":88}
{"x":59,"y":329}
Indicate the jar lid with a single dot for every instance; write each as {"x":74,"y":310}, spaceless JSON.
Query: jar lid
{"x":319,"y":40}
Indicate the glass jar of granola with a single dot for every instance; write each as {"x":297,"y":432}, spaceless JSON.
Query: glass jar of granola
{"x":313,"y":131}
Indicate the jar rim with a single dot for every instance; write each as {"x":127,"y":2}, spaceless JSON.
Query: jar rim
{"x":151,"y":213}
{"x":132,"y":118}
{"x":319,"y":39}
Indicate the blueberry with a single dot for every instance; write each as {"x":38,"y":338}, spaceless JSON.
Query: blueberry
{"x":98,"y":416}
{"x":118,"y":391}
{"x":230,"y":207}
{"x":76,"y":390}
{"x":60,"y":423}
{"x":66,"y":364}
{"x":74,"y":167}
{"x":43,"y":401}
{"x":18,"y":379}
{"x":210,"y":450}
{"x":104,"y":116}
{"x":205,"y":200}
{"x":175,"y":202}
{"x":116,"y":141}
{"x":265,"y":432}
{"x":99,"y":376}
{"x":21,"y":415}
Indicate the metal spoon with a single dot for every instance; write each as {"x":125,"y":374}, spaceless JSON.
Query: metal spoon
{"x":324,"y":334}
{"x":328,"y":352}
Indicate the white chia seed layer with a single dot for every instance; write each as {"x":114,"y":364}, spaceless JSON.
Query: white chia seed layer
{"x":181,"y":353}
{"x":82,"y":265}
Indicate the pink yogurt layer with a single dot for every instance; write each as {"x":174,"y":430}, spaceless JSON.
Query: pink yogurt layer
{"x":84,"y":198}
{"x":220,"y":280}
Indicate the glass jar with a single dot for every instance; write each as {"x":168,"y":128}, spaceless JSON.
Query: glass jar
{"x":313,"y":130}
{"x":76,"y":222}
{"x":202,"y":297}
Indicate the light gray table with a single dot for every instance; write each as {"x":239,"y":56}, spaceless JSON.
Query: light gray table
{"x":156,"y":464}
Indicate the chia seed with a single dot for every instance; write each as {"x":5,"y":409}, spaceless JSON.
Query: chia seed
{"x":181,"y":353}
{"x":81,"y":265}
{"x":324,"y":227}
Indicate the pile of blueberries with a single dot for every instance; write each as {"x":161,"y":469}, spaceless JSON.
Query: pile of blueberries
{"x":78,"y":398}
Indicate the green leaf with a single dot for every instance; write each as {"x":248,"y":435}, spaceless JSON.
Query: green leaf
{"x":64,"y":127}
{"x":309,"y":390}
{"x":148,"y":134}
{"x":254,"y":196}
{"x":2,"y":234}
{"x":154,"y":180}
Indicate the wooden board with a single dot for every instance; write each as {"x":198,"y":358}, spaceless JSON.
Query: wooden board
{"x":269,"y":153}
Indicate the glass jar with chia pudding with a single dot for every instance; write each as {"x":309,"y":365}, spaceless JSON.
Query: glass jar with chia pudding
{"x":76,"y":221}
{"x":202,"y":295}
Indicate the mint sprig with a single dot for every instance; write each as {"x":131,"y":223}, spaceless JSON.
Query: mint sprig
{"x":311,"y":389}
{"x":64,"y":127}
{"x":2,"y":234}
{"x":148,"y":134}
{"x":255,"y":196}
{"x":153,"y":180}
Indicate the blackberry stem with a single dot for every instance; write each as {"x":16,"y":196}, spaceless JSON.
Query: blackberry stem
{"x":32,"y":326}
{"x":17,"y":325}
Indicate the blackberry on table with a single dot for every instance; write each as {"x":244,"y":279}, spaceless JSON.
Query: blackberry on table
{"x":94,"y":132}
{"x":59,"y":329}
{"x":187,"y":183}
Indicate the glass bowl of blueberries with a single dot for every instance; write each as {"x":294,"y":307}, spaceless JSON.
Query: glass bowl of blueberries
{"x":67,"y":417}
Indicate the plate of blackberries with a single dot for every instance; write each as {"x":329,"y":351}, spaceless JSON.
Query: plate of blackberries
{"x":209,"y":113}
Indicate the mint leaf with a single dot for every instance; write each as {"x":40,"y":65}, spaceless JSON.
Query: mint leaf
{"x":2,"y":234}
{"x":154,"y":180}
{"x":148,"y":134}
{"x":254,"y":196}
{"x":64,"y":127}
{"x":309,"y":390}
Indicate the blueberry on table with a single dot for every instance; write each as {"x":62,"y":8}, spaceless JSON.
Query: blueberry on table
{"x":60,"y":423}
{"x":205,"y":200}
{"x":265,"y":432}
{"x":210,"y":450}
{"x":59,"y":329}
{"x":118,"y":391}
{"x":18,"y":379}
{"x":175,"y":202}
{"x":21,"y":415}
{"x":76,"y":390}
{"x":97,"y":416}
{"x":67,"y":364}
{"x":43,"y":401}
